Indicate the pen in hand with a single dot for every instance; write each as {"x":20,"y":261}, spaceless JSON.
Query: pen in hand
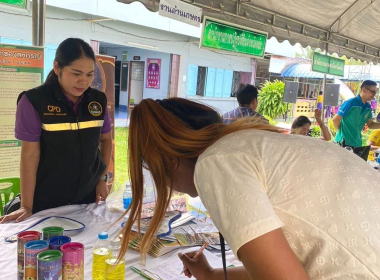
{"x":197,"y":254}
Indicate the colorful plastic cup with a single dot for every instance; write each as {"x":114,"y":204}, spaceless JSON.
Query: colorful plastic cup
{"x":22,"y":239}
{"x":56,"y":242}
{"x":73,"y":261}
{"x":49,"y":265}
{"x":32,"y":249}
{"x":49,"y":232}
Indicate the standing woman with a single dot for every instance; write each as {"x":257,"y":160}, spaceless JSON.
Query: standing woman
{"x":289,"y":208}
{"x":65,"y":132}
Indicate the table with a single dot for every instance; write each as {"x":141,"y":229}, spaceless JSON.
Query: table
{"x":96,"y":218}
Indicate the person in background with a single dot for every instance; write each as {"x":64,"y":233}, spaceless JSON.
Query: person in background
{"x":65,"y":132}
{"x":302,"y":124}
{"x":374,"y":139}
{"x":374,"y":142}
{"x":247,"y":98}
{"x":281,"y":202}
{"x":354,"y":114}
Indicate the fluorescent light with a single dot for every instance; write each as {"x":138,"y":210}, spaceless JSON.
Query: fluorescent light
{"x":142,"y":45}
{"x":99,"y":19}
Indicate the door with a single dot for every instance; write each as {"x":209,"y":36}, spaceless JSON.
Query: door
{"x":136,"y":82}
{"x":117,"y":83}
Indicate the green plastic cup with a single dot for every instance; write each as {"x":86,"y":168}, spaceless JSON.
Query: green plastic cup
{"x":49,"y":232}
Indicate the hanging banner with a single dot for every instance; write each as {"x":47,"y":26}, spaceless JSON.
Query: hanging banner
{"x":104,"y":80}
{"x":231,"y":38}
{"x":23,"y":4}
{"x":21,"y":68}
{"x":180,"y":11}
{"x":153,"y":73}
{"x":327,"y":64}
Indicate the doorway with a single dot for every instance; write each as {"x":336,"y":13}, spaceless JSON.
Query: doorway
{"x":136,"y":83}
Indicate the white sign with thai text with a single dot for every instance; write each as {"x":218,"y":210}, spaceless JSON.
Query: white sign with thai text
{"x":180,"y":11}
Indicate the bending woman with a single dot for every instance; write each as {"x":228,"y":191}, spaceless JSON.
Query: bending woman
{"x":302,"y":124}
{"x":263,"y":190}
{"x":65,"y":134}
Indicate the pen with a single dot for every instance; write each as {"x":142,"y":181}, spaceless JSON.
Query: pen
{"x":197,"y":254}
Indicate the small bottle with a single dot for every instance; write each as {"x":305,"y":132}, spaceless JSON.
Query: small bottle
{"x":114,"y":270}
{"x":127,"y":196}
{"x":100,"y":253}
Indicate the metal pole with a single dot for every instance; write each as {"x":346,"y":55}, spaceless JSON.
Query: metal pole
{"x":35,"y":22}
{"x":324,"y":89}
{"x":41,"y":23}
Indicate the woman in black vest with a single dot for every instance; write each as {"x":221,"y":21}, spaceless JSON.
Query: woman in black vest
{"x":65,"y":131}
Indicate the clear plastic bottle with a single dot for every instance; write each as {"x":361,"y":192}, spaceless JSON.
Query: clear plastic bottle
{"x":114,"y":270}
{"x":127,"y":196}
{"x":99,"y":254}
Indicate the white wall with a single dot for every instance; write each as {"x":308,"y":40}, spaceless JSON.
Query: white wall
{"x":160,"y":93}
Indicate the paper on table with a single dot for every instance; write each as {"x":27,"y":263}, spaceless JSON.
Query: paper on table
{"x":169,"y":267}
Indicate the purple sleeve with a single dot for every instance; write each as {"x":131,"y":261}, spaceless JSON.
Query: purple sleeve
{"x":28,"y":122}
{"x":107,"y":122}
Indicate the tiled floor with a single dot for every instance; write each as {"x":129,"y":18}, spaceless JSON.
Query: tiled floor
{"x":121,"y":116}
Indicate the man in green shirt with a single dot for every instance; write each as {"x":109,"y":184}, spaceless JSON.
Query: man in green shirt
{"x":354,"y":114}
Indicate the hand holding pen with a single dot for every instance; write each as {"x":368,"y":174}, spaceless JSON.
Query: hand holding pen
{"x":197,"y":255}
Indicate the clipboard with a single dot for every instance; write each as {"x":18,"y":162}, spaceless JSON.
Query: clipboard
{"x":69,"y":225}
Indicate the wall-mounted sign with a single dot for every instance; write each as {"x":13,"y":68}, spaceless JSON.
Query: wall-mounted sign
{"x":327,"y":64}
{"x":228,"y":37}
{"x":153,"y":73}
{"x":18,"y":4}
{"x":180,"y":11}
{"x":136,"y":58}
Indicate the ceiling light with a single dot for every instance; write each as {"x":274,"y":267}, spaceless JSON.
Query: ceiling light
{"x":142,"y":46}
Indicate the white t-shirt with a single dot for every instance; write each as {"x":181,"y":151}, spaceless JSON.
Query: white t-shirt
{"x":325,"y":198}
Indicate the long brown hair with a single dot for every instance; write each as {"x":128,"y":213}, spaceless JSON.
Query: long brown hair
{"x":160,"y":133}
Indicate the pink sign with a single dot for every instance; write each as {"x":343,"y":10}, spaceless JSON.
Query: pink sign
{"x":153,"y":73}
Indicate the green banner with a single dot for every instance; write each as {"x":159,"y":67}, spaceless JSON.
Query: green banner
{"x":15,"y":3}
{"x":328,"y":64}
{"x":222,"y":36}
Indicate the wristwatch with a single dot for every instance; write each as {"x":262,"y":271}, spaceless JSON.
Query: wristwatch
{"x":104,"y":177}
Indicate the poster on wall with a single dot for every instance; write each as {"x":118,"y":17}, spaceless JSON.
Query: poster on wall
{"x":153,"y":73}
{"x":104,"y":81}
{"x":21,"y":68}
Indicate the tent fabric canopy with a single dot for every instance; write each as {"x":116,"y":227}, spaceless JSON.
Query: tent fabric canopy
{"x":348,"y":26}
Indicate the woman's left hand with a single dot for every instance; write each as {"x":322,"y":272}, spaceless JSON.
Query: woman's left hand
{"x":318,"y":116}
{"x":101,"y":191}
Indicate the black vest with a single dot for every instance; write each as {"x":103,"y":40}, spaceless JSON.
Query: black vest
{"x":70,"y":161}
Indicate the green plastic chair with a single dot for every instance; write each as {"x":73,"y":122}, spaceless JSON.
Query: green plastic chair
{"x":9,"y":188}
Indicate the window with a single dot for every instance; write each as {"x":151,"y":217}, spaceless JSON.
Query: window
{"x":209,"y":81}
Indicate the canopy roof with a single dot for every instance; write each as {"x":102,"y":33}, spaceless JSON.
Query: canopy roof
{"x":350,"y":27}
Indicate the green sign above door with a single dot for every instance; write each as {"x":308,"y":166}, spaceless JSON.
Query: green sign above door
{"x":328,"y":64}
{"x":15,"y":3}
{"x":228,"y":37}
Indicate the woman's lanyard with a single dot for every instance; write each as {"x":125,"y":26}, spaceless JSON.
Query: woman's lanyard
{"x":222,"y":247}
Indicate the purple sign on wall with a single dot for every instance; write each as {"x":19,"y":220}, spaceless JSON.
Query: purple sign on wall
{"x":153,"y":73}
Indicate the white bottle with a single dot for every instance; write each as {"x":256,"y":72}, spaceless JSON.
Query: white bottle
{"x":99,"y":254}
{"x":114,"y":270}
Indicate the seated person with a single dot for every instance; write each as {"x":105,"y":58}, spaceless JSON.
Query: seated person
{"x":247,"y":98}
{"x":302,"y":124}
{"x":374,"y":140}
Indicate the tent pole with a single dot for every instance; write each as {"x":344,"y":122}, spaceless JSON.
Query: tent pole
{"x":324,"y":88}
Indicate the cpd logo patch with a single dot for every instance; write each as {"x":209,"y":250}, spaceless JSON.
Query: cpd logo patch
{"x":53,"y":109}
{"x":95,"y":109}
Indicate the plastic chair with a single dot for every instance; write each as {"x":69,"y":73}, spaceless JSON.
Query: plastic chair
{"x":9,"y":188}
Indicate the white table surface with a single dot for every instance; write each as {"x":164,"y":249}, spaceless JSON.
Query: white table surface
{"x":95,"y":217}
